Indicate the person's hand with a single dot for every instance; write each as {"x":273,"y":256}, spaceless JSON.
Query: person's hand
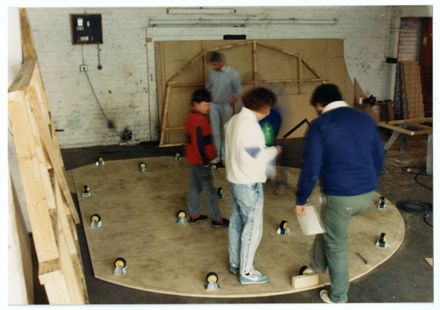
{"x":279,"y":149}
{"x":301,"y":209}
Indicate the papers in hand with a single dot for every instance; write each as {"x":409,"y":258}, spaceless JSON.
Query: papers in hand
{"x":309,"y":222}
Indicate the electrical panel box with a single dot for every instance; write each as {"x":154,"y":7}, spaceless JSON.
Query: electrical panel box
{"x":86,"y":28}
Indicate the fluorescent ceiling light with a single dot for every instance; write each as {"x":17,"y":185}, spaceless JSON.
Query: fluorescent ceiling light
{"x":201,"y":11}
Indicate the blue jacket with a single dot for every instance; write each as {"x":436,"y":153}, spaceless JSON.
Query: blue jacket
{"x":344,"y":150}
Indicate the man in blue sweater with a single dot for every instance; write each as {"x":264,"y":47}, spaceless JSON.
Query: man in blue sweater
{"x":344,"y":151}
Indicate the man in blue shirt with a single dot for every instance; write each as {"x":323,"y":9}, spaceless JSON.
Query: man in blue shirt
{"x":225,"y":86}
{"x":344,"y":151}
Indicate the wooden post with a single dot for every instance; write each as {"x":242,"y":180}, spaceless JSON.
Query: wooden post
{"x":205,"y":67}
{"x":165,"y":115}
{"x":254,"y":61}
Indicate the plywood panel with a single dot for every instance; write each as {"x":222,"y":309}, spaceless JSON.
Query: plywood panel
{"x":279,"y":63}
{"x":138,"y":212}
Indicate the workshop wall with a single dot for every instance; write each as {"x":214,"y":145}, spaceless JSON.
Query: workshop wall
{"x":126,"y":84}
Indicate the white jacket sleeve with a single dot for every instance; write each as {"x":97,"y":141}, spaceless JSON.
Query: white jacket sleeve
{"x":253,"y":146}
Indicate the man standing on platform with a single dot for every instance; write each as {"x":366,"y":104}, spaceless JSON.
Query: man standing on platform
{"x":225,"y":86}
{"x":344,"y":151}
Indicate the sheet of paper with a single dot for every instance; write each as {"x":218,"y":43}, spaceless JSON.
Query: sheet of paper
{"x":310,"y":223}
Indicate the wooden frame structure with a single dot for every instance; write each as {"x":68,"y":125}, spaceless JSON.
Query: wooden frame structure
{"x":410,"y":127}
{"x":402,"y":126}
{"x":171,"y":82}
{"x":52,"y":213}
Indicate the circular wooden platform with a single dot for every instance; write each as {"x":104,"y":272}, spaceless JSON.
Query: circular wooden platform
{"x":138,"y":212}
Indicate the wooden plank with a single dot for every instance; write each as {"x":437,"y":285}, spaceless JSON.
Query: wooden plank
{"x":171,"y":144}
{"x":164,"y":122}
{"x":280,"y":81}
{"x":70,"y":273}
{"x":410,"y":120}
{"x":229,"y":46}
{"x":421,"y":126}
{"x":283,"y":81}
{"x":406,"y":131}
{"x":185,"y":67}
{"x":26,"y":142}
{"x":27,"y":42}
{"x":205,"y":67}
{"x":49,"y":147}
{"x":23,"y":77}
{"x":175,"y":84}
{"x":429,"y":260}
{"x":311,"y":69}
{"x":19,"y":249}
{"x":56,"y":288}
{"x":63,"y":223}
{"x":299,"y":282}
{"x":173,"y":128}
{"x":278,"y":49}
{"x":299,"y":74}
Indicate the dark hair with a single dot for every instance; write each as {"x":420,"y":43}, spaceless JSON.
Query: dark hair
{"x":216,"y":56}
{"x":325,"y":94}
{"x":199,"y":95}
{"x":259,"y":97}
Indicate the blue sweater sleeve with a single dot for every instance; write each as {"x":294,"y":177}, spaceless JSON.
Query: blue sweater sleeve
{"x":311,"y":168}
{"x":378,"y":152}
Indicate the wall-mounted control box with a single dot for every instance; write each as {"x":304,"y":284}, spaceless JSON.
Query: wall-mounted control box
{"x":86,"y":28}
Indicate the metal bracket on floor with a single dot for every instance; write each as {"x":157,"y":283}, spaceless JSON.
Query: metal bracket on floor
{"x":381,"y":203}
{"x":182,"y":217}
{"x":381,"y":243}
{"x":220,"y":193}
{"x":178,"y":157}
{"x":96,"y":221}
{"x":211,"y":281}
{"x":86,"y":191}
{"x":100,"y":161}
{"x":121,"y":267}
{"x":283,"y":228}
{"x":142,"y":166}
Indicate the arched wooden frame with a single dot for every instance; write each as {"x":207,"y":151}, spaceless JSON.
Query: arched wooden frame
{"x":255,"y":81}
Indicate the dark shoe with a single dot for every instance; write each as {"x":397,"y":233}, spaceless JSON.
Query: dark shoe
{"x":194,"y":220}
{"x":234,"y":269}
{"x":220,"y":164}
{"x":223,"y":223}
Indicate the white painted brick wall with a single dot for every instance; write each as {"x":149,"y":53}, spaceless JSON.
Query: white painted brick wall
{"x":365,"y":31}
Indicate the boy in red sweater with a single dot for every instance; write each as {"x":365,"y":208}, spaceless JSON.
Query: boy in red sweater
{"x":199,"y":151}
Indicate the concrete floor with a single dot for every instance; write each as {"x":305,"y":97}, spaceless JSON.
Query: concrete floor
{"x":406,"y":277}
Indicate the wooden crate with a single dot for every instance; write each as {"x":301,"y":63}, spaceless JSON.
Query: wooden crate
{"x":52,"y":213}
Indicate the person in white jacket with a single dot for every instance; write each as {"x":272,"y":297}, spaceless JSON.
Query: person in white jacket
{"x":246,"y":159}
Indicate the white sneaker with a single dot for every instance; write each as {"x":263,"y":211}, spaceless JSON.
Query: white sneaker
{"x":254,"y":277}
{"x":325,"y":297}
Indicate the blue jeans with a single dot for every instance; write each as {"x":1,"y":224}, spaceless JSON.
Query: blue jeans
{"x":219,"y":114}
{"x":201,"y":181}
{"x":246,"y":224}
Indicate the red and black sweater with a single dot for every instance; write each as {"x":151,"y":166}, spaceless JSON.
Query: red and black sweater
{"x":200,"y":149}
